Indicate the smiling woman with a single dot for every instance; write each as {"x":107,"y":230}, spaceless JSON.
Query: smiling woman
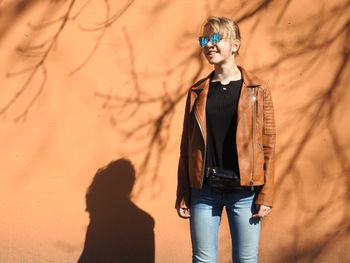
{"x":219,"y":48}
{"x":227,"y":150}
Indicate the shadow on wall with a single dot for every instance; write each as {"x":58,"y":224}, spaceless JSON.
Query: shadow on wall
{"x":118,"y":231}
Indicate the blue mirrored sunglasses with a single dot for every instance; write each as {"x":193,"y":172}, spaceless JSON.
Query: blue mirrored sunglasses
{"x":214,"y":39}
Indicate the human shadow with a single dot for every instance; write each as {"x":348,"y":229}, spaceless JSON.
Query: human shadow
{"x":118,"y":231}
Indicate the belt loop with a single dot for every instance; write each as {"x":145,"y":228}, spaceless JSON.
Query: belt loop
{"x":206,"y":172}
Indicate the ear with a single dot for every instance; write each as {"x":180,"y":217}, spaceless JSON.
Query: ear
{"x":235,"y":46}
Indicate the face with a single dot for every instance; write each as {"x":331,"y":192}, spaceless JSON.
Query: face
{"x":220,"y":52}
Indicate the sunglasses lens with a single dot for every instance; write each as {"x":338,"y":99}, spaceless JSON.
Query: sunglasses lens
{"x":215,"y":38}
{"x":203,"y":41}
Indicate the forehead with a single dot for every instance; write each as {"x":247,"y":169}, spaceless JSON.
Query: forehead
{"x":208,"y":30}
{"x":211,"y":29}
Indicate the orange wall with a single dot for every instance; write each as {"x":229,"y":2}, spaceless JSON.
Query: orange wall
{"x":106,"y":80}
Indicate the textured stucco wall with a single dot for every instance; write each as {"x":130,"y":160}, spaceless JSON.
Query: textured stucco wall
{"x":85,"y":83}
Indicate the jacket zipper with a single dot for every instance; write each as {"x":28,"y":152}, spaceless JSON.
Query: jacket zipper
{"x":205,"y":148}
{"x":253,"y":137}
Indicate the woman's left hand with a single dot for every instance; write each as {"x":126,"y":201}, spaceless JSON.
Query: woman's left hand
{"x":263,"y":211}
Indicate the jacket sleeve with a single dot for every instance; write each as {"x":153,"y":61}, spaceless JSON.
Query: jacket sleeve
{"x":183,"y":186}
{"x":265,"y":197}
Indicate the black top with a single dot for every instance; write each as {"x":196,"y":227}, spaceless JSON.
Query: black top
{"x":221,"y":115}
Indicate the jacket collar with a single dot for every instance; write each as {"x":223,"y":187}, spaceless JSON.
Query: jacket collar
{"x":248,"y":79}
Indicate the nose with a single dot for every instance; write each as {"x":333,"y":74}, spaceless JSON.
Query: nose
{"x":209,"y":44}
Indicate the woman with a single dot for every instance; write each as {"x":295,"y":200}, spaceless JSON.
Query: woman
{"x":228,"y":131}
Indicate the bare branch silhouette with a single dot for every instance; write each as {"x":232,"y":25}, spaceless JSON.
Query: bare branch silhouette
{"x":43,"y":49}
{"x":313,"y":38}
{"x":108,"y":22}
{"x":320,"y":35}
{"x":35,"y":69}
{"x":14,"y":9}
{"x":156,"y":128}
{"x":97,"y":43}
{"x":301,"y":51}
{"x":111,"y":20}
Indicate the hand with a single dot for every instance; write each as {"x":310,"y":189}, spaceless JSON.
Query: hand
{"x":263,"y":211}
{"x":184,"y":212}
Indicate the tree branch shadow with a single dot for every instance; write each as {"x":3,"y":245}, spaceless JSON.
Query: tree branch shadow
{"x":42,"y":50}
{"x":155,"y":129}
{"x":318,"y":36}
{"x":325,"y":33}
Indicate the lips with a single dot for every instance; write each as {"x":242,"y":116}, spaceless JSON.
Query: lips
{"x":211,"y":53}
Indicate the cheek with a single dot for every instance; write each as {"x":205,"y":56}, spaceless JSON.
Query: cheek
{"x":224,"y":49}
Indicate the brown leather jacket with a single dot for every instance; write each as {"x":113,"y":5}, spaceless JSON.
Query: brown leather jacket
{"x":255,"y":139}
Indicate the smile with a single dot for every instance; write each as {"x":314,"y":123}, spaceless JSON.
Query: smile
{"x":211,"y":52}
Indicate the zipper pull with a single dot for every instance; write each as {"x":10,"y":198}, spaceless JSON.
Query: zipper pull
{"x":251,"y":185}
{"x":254,"y":98}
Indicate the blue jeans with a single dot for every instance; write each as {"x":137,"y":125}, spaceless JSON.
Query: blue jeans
{"x":206,"y":209}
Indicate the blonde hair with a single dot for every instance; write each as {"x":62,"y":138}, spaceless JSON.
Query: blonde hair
{"x":224,"y":26}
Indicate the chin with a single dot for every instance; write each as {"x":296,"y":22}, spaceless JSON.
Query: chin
{"x":212,"y":61}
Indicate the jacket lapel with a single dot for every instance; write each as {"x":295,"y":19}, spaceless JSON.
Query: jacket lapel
{"x":245,"y":99}
{"x":200,"y":94}
{"x":200,"y":100}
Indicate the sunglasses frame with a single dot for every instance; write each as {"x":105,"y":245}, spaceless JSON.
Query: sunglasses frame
{"x":214,"y":39}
